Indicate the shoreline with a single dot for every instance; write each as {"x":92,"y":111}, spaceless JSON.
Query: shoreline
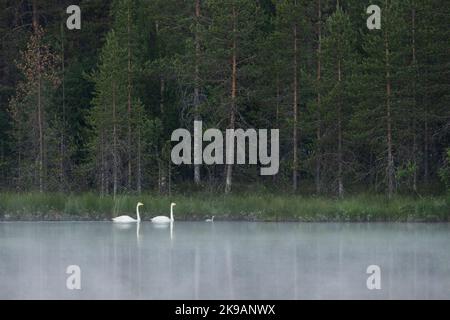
{"x":218,"y":219}
{"x":236,"y":207}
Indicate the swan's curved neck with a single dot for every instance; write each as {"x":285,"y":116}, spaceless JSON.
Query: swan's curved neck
{"x":137,"y":213}
{"x":171,"y":212}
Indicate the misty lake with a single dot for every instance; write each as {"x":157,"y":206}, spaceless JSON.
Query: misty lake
{"x":224,"y":260}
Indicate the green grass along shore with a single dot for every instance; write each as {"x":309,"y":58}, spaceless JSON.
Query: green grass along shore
{"x":251,"y":207}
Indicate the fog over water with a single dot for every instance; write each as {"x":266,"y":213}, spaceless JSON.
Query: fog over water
{"x":224,"y":260}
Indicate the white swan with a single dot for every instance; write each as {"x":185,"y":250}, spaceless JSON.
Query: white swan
{"x":128,"y":219}
{"x":164,"y":219}
{"x":210,"y":220}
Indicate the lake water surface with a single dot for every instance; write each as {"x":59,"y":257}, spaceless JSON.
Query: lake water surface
{"x":224,"y":260}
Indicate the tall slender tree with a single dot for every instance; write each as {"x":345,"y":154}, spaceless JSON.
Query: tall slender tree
{"x":290,"y":20}
{"x":232,"y":36}
{"x":338,"y":67}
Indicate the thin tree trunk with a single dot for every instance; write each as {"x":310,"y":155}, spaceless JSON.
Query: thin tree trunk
{"x":340,"y":157}
{"x":162,"y":168}
{"x":426,"y":166}
{"x":41,"y":138}
{"x":63,"y":126}
{"x":19,"y":160}
{"x":107,"y":178}
{"x":139,"y":164}
{"x":115,"y":160}
{"x":139,"y":154}
{"x":129,"y":97}
{"x":159,"y":177}
{"x":278,"y":95}
{"x":162,"y":177}
{"x":277,"y":112}
{"x":229,"y":167}
{"x":426,"y":137}
{"x":319,"y":102}
{"x":295,"y":111}
{"x":102,"y":164}
{"x":390,"y":157}
{"x":414,"y":61}
{"x":162,"y":89}
{"x":414,"y":152}
{"x":35,"y":15}
{"x":39,"y":107}
{"x":169,"y":182}
{"x":197,"y":177}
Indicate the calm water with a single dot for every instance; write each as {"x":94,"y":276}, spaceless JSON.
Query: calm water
{"x":224,"y":260}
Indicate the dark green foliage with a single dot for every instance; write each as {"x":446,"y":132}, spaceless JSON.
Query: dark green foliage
{"x":375,"y":119}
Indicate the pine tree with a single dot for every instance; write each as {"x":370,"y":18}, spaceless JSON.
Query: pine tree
{"x":380,"y":71}
{"x":290,"y":22}
{"x":109,"y":115}
{"x":231,"y":38}
{"x":118,"y":132}
{"x":338,"y":57}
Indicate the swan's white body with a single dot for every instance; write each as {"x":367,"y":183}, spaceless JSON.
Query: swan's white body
{"x":210,"y":220}
{"x":164,"y":219}
{"x":124,"y":219}
{"x":128,"y":219}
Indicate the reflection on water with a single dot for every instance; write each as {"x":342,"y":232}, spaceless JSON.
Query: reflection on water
{"x":224,"y":260}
